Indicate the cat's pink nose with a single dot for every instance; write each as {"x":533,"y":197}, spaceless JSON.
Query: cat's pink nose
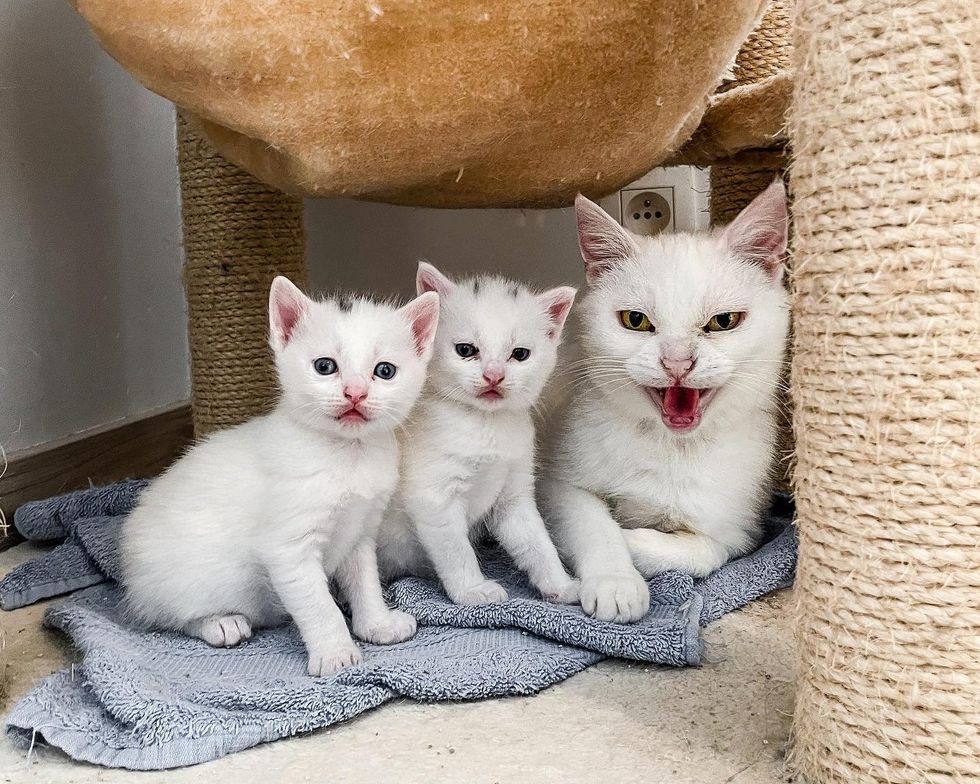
{"x":355,"y":391}
{"x":493,"y":374}
{"x":678,"y":368}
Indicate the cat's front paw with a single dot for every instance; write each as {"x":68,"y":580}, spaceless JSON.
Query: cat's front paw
{"x":394,"y":626}
{"x":566,"y":592}
{"x":328,"y":660}
{"x":487,"y":592}
{"x":620,"y":598}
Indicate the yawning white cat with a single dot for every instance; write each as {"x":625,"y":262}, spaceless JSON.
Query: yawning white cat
{"x":661,"y":459}
{"x":248,"y":528}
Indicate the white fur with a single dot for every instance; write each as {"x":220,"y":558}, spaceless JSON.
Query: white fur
{"x":466,"y":460}
{"x":625,"y":494}
{"x":248,"y":528}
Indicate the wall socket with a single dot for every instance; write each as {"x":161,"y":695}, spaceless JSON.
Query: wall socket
{"x":672,"y":198}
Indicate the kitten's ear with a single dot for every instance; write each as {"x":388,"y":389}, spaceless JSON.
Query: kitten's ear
{"x":287,"y":306}
{"x":557,"y":303}
{"x":422,"y":313}
{"x":759,"y":233}
{"x":428,"y":278}
{"x":603,"y":242}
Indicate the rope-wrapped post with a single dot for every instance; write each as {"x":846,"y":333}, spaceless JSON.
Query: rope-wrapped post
{"x":886,"y":385}
{"x":238,"y":235}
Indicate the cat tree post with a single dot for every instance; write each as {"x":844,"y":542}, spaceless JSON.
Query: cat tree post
{"x":238,"y":235}
{"x":886,"y":139}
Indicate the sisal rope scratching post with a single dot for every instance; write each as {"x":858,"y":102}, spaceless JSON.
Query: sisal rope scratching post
{"x":238,"y":235}
{"x":768,"y":49}
{"x":886,"y":380}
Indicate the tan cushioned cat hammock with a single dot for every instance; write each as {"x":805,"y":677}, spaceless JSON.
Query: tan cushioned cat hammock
{"x":441,"y":103}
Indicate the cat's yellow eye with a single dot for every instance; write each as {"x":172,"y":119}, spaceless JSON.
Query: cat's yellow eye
{"x":635,"y":320}
{"x":723,"y":322}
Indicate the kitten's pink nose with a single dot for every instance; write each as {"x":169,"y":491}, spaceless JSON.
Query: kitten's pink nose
{"x":355,"y":391}
{"x":493,"y":374}
{"x":678,"y":368}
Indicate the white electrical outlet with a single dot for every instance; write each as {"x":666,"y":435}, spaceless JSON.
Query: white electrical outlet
{"x":672,"y":198}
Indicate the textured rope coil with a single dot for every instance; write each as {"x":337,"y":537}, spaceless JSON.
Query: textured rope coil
{"x":238,"y":235}
{"x":768,"y":49}
{"x":886,"y":384}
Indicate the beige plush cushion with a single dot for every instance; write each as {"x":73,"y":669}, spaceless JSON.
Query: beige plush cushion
{"x":436,"y":102}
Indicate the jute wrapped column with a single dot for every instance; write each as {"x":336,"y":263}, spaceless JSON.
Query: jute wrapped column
{"x":238,"y":235}
{"x":886,"y":384}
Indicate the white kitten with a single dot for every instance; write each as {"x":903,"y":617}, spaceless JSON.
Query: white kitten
{"x":671,"y":434}
{"x":249,"y":527}
{"x":468,"y":452}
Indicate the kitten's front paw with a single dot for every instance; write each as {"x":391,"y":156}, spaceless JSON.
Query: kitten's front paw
{"x":620,"y":598}
{"x":328,"y":660}
{"x":562,"y":593}
{"x":487,"y":592}
{"x":221,"y":631}
{"x":394,"y":626}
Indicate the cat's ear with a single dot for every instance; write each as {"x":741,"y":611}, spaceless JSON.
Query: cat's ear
{"x":759,"y":233}
{"x":428,"y":278}
{"x":603,"y":242}
{"x":287,"y":306}
{"x":422,"y":314}
{"x":557,"y":303}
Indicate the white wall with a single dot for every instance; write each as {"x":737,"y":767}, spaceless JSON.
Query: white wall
{"x":91,"y":306}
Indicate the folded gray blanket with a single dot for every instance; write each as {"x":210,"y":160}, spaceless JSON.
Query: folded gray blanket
{"x":160,"y":700}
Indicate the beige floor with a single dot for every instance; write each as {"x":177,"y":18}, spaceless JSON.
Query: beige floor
{"x":726,"y":721}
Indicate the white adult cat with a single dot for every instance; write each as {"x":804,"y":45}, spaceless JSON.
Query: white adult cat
{"x":249,"y":527}
{"x":662,"y":459}
{"x":468,"y":451}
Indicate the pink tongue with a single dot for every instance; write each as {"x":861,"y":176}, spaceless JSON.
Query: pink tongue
{"x":681,"y":402}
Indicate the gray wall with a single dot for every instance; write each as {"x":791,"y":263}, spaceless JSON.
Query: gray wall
{"x":91,"y":310}
{"x":375,"y":247}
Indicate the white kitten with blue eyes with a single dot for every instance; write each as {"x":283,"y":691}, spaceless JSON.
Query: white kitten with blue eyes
{"x":468,"y":451}
{"x":661,"y":460}
{"x":251,"y":525}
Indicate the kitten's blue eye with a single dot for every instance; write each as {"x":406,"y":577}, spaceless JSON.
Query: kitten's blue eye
{"x":520,"y":354}
{"x":385,"y":371}
{"x":325,"y":366}
{"x":466,"y":350}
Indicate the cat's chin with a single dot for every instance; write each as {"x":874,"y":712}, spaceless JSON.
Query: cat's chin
{"x":681,"y":408}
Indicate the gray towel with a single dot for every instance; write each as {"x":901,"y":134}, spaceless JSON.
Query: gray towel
{"x":160,"y":700}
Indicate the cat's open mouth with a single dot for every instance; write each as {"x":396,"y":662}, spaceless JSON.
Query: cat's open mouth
{"x":680,"y":407}
{"x":491,"y":394}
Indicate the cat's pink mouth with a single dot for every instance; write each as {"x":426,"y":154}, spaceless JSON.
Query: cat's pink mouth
{"x":681,"y":408}
{"x":353,"y":416}
{"x":491,"y":393}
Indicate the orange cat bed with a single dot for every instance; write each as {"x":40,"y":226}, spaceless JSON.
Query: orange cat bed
{"x":442,"y":103}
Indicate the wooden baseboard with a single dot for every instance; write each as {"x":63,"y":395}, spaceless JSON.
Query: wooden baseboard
{"x":134,"y":448}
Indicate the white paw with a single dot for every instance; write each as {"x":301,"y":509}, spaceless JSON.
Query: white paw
{"x":621,"y":598}
{"x":327,"y":660}
{"x":222,"y":631}
{"x":487,"y":592}
{"x":394,"y":626}
{"x":566,"y":592}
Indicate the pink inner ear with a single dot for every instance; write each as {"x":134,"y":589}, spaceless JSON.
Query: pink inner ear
{"x":558,"y":303}
{"x":288,"y":314}
{"x":424,"y":314}
{"x":759,"y":233}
